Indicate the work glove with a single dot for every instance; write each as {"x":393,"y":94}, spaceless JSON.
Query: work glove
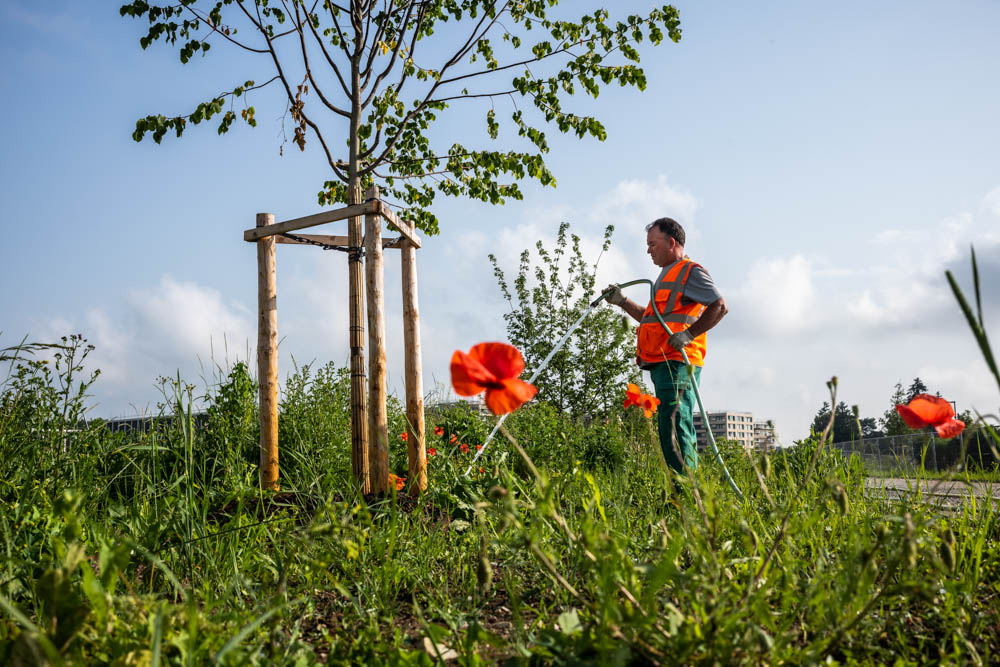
{"x":614,"y":295}
{"x":680,"y":340}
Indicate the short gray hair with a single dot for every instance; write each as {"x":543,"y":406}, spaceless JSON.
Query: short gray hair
{"x":669,"y":227}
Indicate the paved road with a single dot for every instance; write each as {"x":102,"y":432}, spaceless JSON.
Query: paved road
{"x":935,"y":491}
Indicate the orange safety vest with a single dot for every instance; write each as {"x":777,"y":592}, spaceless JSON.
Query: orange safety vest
{"x":653,"y":344}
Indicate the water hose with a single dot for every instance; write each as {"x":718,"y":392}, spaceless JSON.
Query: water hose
{"x":562,"y":341}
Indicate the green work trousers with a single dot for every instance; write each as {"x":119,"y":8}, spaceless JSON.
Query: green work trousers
{"x":675,"y":415}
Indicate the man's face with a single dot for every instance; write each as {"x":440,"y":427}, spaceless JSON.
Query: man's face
{"x":661,"y":248}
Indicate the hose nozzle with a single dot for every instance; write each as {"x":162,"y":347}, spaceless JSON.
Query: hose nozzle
{"x":604,"y":295}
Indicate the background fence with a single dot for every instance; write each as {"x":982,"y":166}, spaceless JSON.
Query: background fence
{"x":905,"y":454}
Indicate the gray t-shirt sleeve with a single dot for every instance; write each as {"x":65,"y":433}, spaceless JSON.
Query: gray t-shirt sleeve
{"x":700,"y":287}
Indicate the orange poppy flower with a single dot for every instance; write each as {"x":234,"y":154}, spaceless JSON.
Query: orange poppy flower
{"x":464,"y":447}
{"x":438,"y":430}
{"x":648,"y":404}
{"x":632,"y":395}
{"x":926,"y":410}
{"x":478,"y":447}
{"x":454,"y":439}
{"x":431,"y":451}
{"x":400,"y":482}
{"x":493,"y":368}
{"x":404,"y":436}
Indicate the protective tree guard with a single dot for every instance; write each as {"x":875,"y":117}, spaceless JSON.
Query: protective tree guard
{"x":369,"y":427}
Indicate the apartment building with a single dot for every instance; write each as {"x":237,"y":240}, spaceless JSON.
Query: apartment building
{"x":764,"y":437}
{"x":731,"y":425}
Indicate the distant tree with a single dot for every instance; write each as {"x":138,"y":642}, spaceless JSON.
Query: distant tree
{"x":372,"y":77}
{"x":891,"y":422}
{"x":916,"y":387}
{"x":869,"y":428}
{"x":588,"y":375}
{"x":845,"y":422}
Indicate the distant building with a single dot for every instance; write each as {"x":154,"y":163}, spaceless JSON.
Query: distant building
{"x":764,"y":438}
{"x":730,"y":425}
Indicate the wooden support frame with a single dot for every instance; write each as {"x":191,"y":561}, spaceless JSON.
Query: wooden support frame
{"x":369,"y":430}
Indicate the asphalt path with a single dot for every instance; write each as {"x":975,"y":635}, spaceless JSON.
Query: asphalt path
{"x":933,"y":491}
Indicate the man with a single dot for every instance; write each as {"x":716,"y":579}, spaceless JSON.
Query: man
{"x":690,"y":304}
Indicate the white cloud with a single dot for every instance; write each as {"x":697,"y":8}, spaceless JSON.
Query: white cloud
{"x":991,"y":202}
{"x":181,"y":318}
{"x":778,"y":297}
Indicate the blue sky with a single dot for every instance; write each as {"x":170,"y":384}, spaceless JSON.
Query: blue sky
{"x":828,"y":161}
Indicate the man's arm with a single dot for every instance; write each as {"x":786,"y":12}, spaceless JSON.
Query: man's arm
{"x":712,"y":315}
{"x":634,"y":310}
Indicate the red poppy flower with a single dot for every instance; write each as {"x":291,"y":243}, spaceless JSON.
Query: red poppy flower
{"x":400,"y":482}
{"x":926,"y":410}
{"x":478,"y":447}
{"x":494,"y":368}
{"x":454,"y":439}
{"x":464,"y":447}
{"x":438,"y":430}
{"x":431,"y":451}
{"x":404,"y":436}
{"x":648,"y":404}
{"x":481,"y":471}
{"x":632,"y":395}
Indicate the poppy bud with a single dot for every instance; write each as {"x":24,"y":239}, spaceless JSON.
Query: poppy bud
{"x":840,"y":495}
{"x":910,"y":552}
{"x":947,"y":549}
{"x":766,"y":461}
{"x":484,"y":572}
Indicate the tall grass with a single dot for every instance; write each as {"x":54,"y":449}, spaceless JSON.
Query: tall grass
{"x":574,"y":544}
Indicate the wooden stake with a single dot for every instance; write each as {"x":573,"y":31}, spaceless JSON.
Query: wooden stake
{"x":267,"y":356}
{"x":414,"y":373}
{"x":359,"y":408}
{"x":378,"y":429}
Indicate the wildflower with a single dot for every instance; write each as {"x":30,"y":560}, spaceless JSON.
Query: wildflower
{"x":431,"y":451}
{"x":494,"y":368}
{"x":481,"y":471}
{"x":439,"y":430}
{"x":648,"y":404}
{"x":400,"y":482}
{"x":464,"y":447}
{"x":404,"y":436}
{"x":632,"y":395}
{"x":478,"y":447}
{"x":454,"y":439}
{"x":926,"y":410}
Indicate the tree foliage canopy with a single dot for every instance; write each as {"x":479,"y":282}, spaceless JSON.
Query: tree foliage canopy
{"x":379,"y":73}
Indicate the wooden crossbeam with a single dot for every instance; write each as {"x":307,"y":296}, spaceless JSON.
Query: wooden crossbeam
{"x":308,"y":221}
{"x":329,"y":239}
{"x":406,"y":228}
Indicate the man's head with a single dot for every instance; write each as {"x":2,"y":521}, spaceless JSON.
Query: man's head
{"x":665,"y":241}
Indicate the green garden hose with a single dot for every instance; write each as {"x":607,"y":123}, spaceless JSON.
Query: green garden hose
{"x":694,"y":381}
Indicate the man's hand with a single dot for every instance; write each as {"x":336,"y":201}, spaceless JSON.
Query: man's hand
{"x":614,"y":295}
{"x":680,"y":340}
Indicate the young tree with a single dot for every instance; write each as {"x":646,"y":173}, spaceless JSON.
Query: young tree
{"x":377,"y":74}
{"x":373,"y":76}
{"x":587,"y":376}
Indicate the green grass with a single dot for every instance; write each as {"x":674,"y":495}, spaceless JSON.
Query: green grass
{"x":572,"y":546}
